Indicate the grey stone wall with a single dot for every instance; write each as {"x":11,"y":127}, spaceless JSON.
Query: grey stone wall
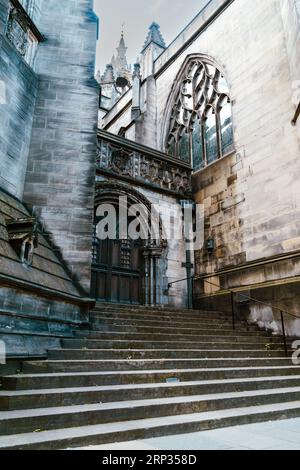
{"x":18,"y":90}
{"x":145,"y":127}
{"x":30,"y":324}
{"x":33,"y":8}
{"x":290,"y":11}
{"x":3,"y":15}
{"x":61,"y":170}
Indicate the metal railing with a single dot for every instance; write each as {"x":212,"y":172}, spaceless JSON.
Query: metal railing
{"x":296,"y":116}
{"x":232,"y":293}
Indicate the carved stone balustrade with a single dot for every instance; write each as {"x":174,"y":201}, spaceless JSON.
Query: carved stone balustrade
{"x":142,"y":165}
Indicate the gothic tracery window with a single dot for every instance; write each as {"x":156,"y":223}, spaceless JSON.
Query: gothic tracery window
{"x":200,"y":130}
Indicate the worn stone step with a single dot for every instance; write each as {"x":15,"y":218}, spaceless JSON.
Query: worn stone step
{"x":57,"y":366}
{"x":143,"y":311}
{"x":230,"y":343}
{"x":149,"y":427}
{"x":158,"y":309}
{"x":74,"y":354}
{"x":134,"y":321}
{"x":105,"y":413}
{"x":146,"y":428}
{"x":92,"y":379}
{"x":163,"y":316}
{"x":151,"y":320}
{"x":168,"y":330}
{"x":151,"y":401}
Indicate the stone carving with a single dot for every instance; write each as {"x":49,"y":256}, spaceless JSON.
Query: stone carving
{"x":20,"y":33}
{"x":23,"y":237}
{"x":159,"y":173}
{"x":121,"y":162}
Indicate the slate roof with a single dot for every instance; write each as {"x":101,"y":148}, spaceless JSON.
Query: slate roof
{"x":47,"y":269}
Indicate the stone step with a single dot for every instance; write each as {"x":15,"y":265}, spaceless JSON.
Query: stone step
{"x":230,"y":343}
{"x":161,"y":321}
{"x":149,"y":427}
{"x":57,"y":366}
{"x":157,"y":309}
{"x":160,"y":398}
{"x":167,"y":330}
{"x":134,"y":321}
{"x":93,"y":379}
{"x":164,"y":313}
{"x":162,"y":317}
{"x":73,"y":354}
{"x":124,"y":412}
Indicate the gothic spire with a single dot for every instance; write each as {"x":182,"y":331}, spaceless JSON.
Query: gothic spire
{"x":121,"y":60}
{"x":155,"y":36}
{"x":108,"y":76}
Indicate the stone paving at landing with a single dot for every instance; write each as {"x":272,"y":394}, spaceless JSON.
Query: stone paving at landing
{"x":275,"y":435}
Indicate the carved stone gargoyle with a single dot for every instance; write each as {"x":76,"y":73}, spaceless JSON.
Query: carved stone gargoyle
{"x":23,"y":237}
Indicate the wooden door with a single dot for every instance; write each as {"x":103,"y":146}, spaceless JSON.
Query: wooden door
{"x":117,"y":272}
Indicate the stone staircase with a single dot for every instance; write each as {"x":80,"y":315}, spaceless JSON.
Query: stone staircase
{"x":143,"y":372}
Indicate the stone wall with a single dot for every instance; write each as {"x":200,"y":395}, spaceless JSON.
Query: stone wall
{"x":290,"y":10}
{"x":146,"y":125}
{"x":33,"y":8}
{"x":252,"y":199}
{"x":61,"y":167}
{"x":30,"y":323}
{"x":38,"y":303}
{"x":251,"y":217}
{"x":171,"y":265}
{"x":18,"y":91}
{"x":3,"y":15}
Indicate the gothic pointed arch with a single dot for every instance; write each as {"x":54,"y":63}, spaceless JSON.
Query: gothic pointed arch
{"x":125,"y":269}
{"x":198,"y":124}
{"x":110,"y":192}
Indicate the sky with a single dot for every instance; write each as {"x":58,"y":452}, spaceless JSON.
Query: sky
{"x":137,"y":15}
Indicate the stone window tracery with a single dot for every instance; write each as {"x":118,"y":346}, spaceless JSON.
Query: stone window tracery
{"x":200,"y":129}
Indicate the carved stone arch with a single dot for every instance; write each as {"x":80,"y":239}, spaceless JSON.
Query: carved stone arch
{"x":169,"y":116}
{"x":107,"y":191}
{"x":152,"y":251}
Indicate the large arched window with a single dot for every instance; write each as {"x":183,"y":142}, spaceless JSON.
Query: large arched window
{"x":200,"y":128}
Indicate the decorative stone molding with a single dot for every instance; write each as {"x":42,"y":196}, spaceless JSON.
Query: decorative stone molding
{"x":22,"y":32}
{"x":23,"y":236}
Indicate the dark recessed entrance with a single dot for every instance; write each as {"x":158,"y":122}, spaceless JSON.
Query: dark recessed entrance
{"x":117,"y":271}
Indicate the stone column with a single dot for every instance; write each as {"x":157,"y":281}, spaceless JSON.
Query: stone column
{"x":146,"y":278}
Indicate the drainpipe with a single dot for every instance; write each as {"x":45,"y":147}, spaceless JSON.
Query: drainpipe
{"x":187,"y":205}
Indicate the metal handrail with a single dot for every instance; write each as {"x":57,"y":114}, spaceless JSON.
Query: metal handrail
{"x":296,"y":116}
{"x":233,"y":291}
{"x":248,"y":297}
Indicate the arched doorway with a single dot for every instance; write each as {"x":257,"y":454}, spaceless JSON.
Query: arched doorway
{"x":125,"y":270}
